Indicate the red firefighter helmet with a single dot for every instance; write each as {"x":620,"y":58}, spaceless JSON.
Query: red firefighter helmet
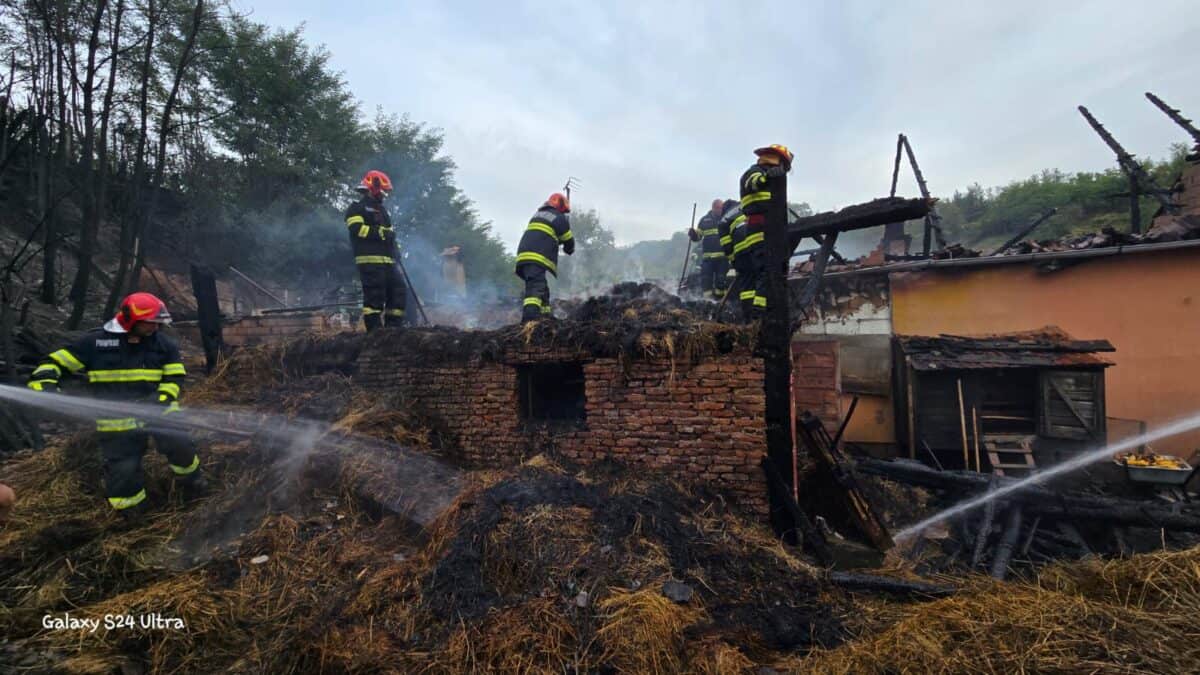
{"x":141,"y":307}
{"x":376,"y":183}
{"x":780,"y":151}
{"x":559,"y":203}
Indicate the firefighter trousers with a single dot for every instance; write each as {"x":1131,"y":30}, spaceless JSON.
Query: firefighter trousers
{"x":122,"y":452}
{"x":536,"y":302}
{"x":384,"y":295}
{"x":712,"y":277}
{"x":753,"y":287}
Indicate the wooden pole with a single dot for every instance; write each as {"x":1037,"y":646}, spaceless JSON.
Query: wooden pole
{"x":962,"y":419}
{"x":975,"y":428}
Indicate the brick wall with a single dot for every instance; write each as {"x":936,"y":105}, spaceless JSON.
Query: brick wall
{"x":696,"y":423}
{"x":815,"y":384}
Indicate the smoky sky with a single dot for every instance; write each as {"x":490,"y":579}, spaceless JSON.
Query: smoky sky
{"x":656,"y":105}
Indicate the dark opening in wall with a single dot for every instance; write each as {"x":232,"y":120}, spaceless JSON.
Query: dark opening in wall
{"x":552,"y":392}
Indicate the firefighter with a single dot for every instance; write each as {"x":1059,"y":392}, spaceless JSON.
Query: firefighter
{"x":537,"y":253}
{"x":128,"y":359}
{"x":732,"y":232}
{"x":713,"y":265}
{"x":774,"y":161}
{"x":375,"y":253}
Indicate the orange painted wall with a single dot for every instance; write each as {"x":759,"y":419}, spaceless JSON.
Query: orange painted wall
{"x":1147,"y":305}
{"x":872,"y":421}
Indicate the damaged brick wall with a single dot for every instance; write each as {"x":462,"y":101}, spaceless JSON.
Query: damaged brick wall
{"x":698,"y":423}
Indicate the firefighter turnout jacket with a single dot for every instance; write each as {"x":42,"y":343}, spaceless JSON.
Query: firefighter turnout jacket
{"x":710,"y":238}
{"x":731,"y":220}
{"x":547,"y":230}
{"x":371,"y":234}
{"x":116,"y":368}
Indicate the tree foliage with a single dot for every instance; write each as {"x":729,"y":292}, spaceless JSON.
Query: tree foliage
{"x":163,"y":132}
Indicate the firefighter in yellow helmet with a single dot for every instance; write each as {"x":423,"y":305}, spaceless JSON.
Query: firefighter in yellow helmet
{"x":774,"y":161}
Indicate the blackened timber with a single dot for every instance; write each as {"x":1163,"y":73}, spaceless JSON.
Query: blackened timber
{"x":813,"y":539}
{"x":208,"y":314}
{"x":813,"y":285}
{"x":774,"y":345}
{"x":840,"y":471}
{"x":876,"y":584}
{"x":1128,"y":164}
{"x":1025,"y":232}
{"x":1041,"y":501}
{"x":1176,"y":117}
{"x":985,"y":529}
{"x":932,"y":218}
{"x":1008,"y":543}
{"x":858,"y":217}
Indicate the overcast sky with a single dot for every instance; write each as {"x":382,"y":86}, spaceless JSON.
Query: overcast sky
{"x":656,"y":105}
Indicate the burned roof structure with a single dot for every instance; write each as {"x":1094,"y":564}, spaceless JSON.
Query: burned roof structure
{"x":1048,"y":347}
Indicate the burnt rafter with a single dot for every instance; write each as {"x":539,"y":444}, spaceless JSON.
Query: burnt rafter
{"x":858,"y":217}
{"x":1143,"y":181}
{"x":1176,"y":117}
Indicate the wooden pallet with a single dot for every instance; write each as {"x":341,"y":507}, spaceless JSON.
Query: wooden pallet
{"x":1010,"y":454}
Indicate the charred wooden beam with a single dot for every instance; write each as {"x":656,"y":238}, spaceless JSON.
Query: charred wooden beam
{"x":814,"y":540}
{"x":774,"y":345}
{"x":985,"y":529}
{"x":1128,"y":164}
{"x":877,"y":584}
{"x":1024,"y":232}
{"x":1008,"y":542}
{"x":824,"y":451}
{"x":1041,"y":501}
{"x":1176,"y":117}
{"x":932,"y":219}
{"x":857,"y":217}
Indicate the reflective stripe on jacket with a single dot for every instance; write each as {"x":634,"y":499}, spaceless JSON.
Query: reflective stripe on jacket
{"x":547,"y":230}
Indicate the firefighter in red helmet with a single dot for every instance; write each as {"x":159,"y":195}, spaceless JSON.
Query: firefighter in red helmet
{"x":375,"y":253}
{"x":128,"y":359}
{"x":537,"y":254}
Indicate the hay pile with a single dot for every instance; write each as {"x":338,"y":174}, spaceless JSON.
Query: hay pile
{"x":1123,"y":616}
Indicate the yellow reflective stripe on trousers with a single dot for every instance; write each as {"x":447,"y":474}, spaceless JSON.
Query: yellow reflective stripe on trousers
{"x":173,"y":369}
{"x":543,"y":228}
{"x":371,"y":310}
{"x":536,"y":302}
{"x":169,"y":388}
{"x":67,"y":360}
{"x":118,"y":424}
{"x":185,"y":470}
{"x":754,"y":197}
{"x":130,"y":375}
{"x":760,"y":301}
{"x":746,"y":295}
{"x":126,"y":502}
{"x":530,"y":256}
{"x":373,"y":260}
{"x":713,"y":256}
{"x":355,"y":220}
{"x":395,"y":312}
